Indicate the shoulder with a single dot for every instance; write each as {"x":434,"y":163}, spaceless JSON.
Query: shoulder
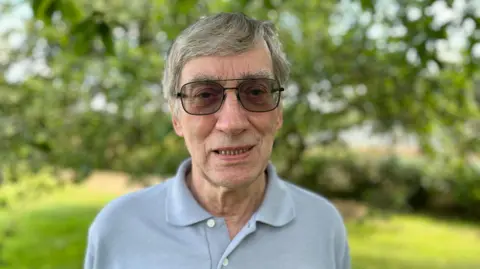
{"x":314,"y":207}
{"x":323,"y":220}
{"x":126,"y":208}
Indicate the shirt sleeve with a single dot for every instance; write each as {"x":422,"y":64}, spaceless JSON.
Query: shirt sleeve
{"x":89,"y":259}
{"x":342,"y":248}
{"x":344,"y":260}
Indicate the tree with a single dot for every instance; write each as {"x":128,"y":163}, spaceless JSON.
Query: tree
{"x":104,"y":61}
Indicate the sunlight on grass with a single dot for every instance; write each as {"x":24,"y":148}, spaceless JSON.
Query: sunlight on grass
{"x":51,"y":234}
{"x":414,"y":242}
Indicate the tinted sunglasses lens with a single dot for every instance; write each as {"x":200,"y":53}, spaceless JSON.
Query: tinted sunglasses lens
{"x":259,"y":95}
{"x":202,"y":98}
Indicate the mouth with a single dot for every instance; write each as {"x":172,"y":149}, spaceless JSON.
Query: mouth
{"x":233,"y":151}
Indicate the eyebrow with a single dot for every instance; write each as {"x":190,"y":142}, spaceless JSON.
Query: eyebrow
{"x":258,"y":74}
{"x":244,"y":75}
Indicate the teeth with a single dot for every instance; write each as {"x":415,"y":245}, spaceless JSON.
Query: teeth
{"x":232,"y":152}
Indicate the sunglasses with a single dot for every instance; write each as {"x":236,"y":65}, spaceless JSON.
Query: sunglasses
{"x":207,"y":97}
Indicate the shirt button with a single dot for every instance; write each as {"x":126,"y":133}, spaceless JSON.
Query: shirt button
{"x":211,"y":223}
{"x":225,"y":262}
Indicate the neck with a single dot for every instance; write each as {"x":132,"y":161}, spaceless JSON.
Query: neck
{"x":236,"y":206}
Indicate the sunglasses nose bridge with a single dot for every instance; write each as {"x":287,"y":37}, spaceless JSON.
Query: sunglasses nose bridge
{"x":234,"y":89}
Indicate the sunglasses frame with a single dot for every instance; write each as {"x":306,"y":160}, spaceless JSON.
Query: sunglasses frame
{"x":280,"y":89}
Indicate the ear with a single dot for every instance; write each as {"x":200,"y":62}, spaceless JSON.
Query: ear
{"x":177,"y":125}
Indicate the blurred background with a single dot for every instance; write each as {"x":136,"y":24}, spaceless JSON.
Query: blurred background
{"x":382,"y":116}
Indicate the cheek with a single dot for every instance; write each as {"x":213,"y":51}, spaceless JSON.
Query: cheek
{"x":199,"y":129}
{"x":267,"y":127}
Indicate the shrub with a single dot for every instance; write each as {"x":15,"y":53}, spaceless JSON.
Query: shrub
{"x":392,"y":181}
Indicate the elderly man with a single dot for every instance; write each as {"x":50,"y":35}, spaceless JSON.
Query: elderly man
{"x":226,"y":206}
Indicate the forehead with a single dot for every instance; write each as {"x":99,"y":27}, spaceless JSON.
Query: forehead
{"x":254,"y":63}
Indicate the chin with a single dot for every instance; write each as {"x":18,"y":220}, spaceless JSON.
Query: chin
{"x":232,"y":180}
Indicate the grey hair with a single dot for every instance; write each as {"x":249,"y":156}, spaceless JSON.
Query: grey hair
{"x":221,"y":34}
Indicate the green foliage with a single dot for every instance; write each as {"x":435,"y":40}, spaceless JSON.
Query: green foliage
{"x":392,"y":182}
{"x":423,"y":29}
{"x":28,"y":187}
{"x":84,"y":33}
{"x":98,"y":102}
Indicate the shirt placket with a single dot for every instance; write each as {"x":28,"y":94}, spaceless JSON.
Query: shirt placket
{"x":227,"y":260}
{"x":217,"y":239}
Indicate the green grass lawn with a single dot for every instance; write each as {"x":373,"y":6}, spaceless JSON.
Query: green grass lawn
{"x":51,"y":235}
{"x":414,"y":242}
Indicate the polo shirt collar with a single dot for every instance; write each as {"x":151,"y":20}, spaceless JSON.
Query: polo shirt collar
{"x":181,"y":207}
{"x":277,"y":208}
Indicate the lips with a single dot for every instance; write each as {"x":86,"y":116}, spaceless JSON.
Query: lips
{"x":232,"y":151}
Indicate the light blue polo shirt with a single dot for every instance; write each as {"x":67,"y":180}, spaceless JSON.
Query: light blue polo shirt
{"x":163,"y":227}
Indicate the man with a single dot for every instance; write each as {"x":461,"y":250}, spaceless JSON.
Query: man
{"x":226,"y":206}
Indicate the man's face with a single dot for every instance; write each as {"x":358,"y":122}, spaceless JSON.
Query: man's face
{"x":232,"y":146}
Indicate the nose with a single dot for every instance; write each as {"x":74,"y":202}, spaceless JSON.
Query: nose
{"x":231,"y":116}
